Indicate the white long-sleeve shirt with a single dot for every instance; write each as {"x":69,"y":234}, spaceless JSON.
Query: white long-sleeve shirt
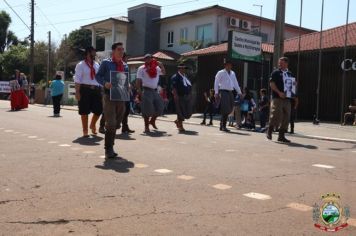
{"x":82,"y":74}
{"x":226,"y":81}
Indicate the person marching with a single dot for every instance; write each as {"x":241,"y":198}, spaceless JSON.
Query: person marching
{"x":280,"y":104}
{"x":210,"y":107}
{"x":114,"y":110}
{"x":182,"y":94}
{"x":225,"y":83}
{"x":57,"y":89}
{"x":88,"y":91}
{"x":147,"y":79}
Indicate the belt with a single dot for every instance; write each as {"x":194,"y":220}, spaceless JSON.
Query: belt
{"x":225,"y":90}
{"x":149,"y":88}
{"x":89,"y":86}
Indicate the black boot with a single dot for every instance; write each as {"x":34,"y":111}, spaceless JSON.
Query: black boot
{"x":269,"y":132}
{"x":203,"y":122}
{"x":110,"y":153}
{"x":281,"y":137}
{"x":109,"y":144}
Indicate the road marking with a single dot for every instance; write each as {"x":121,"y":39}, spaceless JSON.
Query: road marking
{"x":7,"y":190}
{"x":354,"y":151}
{"x":139,"y":165}
{"x":163,"y":171}
{"x":76,"y":148}
{"x":299,"y":206}
{"x":17,"y":132}
{"x":352,"y":222}
{"x":52,"y":142}
{"x":162,"y":139}
{"x":213,"y":142}
{"x":102,"y":156}
{"x":222,"y":186}
{"x":8,"y":130}
{"x":40,"y":139}
{"x":185,"y":177}
{"x":88,"y":152}
{"x":64,"y":145}
{"x":32,"y":137}
{"x":324,"y":166}
{"x":230,"y":150}
{"x":182,"y":142}
{"x":258,"y":196}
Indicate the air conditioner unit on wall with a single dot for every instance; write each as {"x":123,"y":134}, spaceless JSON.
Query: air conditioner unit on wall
{"x":234,"y":22}
{"x":246,"y":25}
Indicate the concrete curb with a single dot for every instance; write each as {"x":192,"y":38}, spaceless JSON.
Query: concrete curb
{"x":307,"y":136}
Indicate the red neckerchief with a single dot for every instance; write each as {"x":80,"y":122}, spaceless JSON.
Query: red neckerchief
{"x":119,"y":64}
{"x":151,"y":68}
{"x":90,"y":64}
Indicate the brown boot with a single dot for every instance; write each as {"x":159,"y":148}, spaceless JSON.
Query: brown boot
{"x":85,"y":125}
{"x":94,"y":119}
{"x":269,"y":132}
{"x":153,"y":122}
{"x":180,"y":128}
{"x":147,"y":123}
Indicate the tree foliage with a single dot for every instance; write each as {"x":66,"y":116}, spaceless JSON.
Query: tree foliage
{"x":7,"y":37}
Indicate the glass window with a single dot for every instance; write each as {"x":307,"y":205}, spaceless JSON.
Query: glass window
{"x":170,"y":39}
{"x":204,"y":33}
{"x":183,"y":35}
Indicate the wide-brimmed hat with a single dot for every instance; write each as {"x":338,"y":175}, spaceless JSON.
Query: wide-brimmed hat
{"x":147,"y":56}
{"x":182,"y":66}
{"x":89,"y":49}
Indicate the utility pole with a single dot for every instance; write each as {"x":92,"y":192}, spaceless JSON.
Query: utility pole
{"x":32,"y":70}
{"x":279,"y":32}
{"x":260,"y":33}
{"x":65,"y":57}
{"x":49,"y":58}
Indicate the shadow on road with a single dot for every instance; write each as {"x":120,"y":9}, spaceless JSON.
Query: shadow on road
{"x":118,"y":164}
{"x":298,"y":145}
{"x":88,"y":141}
{"x":156,"y":134}
{"x":124,"y":137}
{"x":235,"y":132}
{"x":189,"y":132}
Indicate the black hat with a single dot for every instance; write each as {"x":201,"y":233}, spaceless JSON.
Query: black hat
{"x":89,"y":49}
{"x":182,"y":66}
{"x":147,"y":56}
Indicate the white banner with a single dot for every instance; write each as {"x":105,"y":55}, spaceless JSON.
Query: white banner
{"x":5,"y":87}
{"x":246,"y":47}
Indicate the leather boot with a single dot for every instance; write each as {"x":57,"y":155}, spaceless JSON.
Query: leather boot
{"x":85,"y":125}
{"x":269,"y":132}
{"x":109,"y":144}
{"x":281,"y":137}
{"x":94,"y":119}
{"x":153,"y":122}
{"x":147,"y":123}
{"x":180,"y":128}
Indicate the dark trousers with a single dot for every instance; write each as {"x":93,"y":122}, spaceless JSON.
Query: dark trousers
{"x":114,"y":112}
{"x":57,"y":103}
{"x":263,"y":118}
{"x":209,"y":109}
{"x":292,"y":118}
{"x":223,"y":121}
{"x":126,"y":115}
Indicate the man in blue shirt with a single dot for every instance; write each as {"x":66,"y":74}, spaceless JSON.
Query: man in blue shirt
{"x":113,"y":110}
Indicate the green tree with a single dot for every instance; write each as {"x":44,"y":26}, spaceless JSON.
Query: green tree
{"x":16,"y":57}
{"x":7,"y":37}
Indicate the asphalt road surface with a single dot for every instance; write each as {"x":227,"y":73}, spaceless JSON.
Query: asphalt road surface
{"x":202,"y":182}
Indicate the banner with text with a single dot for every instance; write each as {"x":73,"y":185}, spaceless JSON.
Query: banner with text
{"x":245,"y":47}
{"x":5,"y":87}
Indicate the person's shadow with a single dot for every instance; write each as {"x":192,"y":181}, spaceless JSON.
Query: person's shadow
{"x":92,"y":140}
{"x":298,"y":145}
{"x":156,"y":134}
{"x":117,"y":164}
{"x":124,"y":136}
{"x":189,"y":132}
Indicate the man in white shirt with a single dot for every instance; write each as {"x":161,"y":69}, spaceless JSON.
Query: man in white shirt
{"x":88,"y":91}
{"x":152,"y":104}
{"x":225,"y":83}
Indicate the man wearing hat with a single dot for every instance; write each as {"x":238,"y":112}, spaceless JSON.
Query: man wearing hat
{"x":225,"y":83}
{"x":114,"y":110}
{"x":182,"y":88}
{"x":88,"y":91}
{"x":152,"y":104}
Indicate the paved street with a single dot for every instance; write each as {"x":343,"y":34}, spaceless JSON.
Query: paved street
{"x":203,"y":182}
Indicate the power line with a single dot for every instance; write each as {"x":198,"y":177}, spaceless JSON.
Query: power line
{"x":59,"y":33}
{"x":17,"y":14}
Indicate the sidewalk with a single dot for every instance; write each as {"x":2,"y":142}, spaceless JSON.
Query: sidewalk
{"x":323,"y":131}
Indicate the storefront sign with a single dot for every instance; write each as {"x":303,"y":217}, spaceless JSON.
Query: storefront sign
{"x":348,"y":64}
{"x":245,"y":47}
{"x":5,"y":87}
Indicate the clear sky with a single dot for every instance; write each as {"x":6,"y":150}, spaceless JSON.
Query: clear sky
{"x":62,"y":16}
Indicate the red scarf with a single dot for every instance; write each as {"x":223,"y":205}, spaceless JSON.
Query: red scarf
{"x":119,"y":64}
{"x":90,"y":64}
{"x":151,"y":68}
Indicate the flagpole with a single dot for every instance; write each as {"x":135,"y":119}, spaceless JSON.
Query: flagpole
{"x":344,"y":72}
{"x":319,"y":70}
